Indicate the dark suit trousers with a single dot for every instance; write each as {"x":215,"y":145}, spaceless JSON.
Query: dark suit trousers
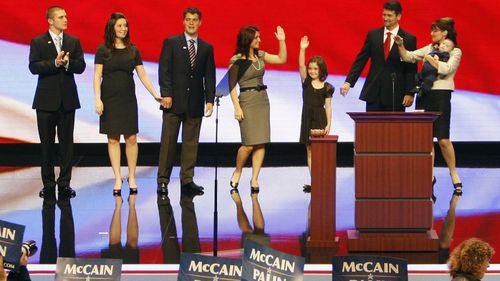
{"x":48,"y":123}
{"x":189,"y":149}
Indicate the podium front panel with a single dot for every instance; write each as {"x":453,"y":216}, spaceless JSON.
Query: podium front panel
{"x":393,"y":175}
{"x":393,"y":215}
{"x":373,"y":137}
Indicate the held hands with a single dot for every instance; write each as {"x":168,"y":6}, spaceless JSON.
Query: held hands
{"x":238,"y":113}
{"x":304,"y":42}
{"x":166,"y":102}
{"x":99,"y":107}
{"x":345,"y":88}
{"x":398,"y":40}
{"x":280,"y":33}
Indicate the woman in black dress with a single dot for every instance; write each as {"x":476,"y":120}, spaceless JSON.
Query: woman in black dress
{"x":316,"y":98}
{"x":115,"y":98}
{"x":439,"y":98}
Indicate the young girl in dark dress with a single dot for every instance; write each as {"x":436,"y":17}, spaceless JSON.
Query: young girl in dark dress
{"x":316,"y":98}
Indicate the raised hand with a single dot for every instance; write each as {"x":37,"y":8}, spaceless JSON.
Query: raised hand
{"x":304,"y":42}
{"x":398,"y":40}
{"x":280,"y":33}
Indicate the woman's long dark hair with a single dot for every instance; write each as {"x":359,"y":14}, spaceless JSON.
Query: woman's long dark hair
{"x":110,"y":35}
{"x":244,"y":40}
{"x":447,"y":24}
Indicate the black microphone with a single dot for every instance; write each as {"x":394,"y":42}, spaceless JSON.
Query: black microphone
{"x":393,"y":78}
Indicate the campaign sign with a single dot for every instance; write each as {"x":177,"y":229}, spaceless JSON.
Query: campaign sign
{"x":369,"y":268}
{"x":261,"y":263}
{"x":198,"y":267}
{"x":11,"y":239}
{"x":70,"y":269}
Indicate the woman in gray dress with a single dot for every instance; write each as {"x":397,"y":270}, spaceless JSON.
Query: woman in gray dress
{"x":251,"y":107}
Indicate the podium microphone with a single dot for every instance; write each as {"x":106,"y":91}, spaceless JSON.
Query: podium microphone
{"x":393,"y":78}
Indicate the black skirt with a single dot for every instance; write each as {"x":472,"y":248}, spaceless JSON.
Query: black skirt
{"x":438,"y":101}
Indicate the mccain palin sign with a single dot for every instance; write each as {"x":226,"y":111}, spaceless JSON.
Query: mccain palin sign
{"x":369,"y":268}
{"x":70,"y":269}
{"x":261,"y":263}
{"x":194,"y":267}
{"x":11,"y":239}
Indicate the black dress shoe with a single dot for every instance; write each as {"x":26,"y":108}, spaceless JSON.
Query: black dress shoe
{"x":66,"y":192}
{"x":192,"y":189}
{"x":47,"y":192}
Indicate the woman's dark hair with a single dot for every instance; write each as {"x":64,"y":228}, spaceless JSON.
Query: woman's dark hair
{"x":244,"y":40}
{"x":323,"y":71}
{"x":446,"y":24}
{"x":110,"y":35}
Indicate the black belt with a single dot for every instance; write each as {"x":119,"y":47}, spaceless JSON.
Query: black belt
{"x":257,"y":88}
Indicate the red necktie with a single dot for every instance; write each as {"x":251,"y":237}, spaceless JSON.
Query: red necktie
{"x":387,"y":45}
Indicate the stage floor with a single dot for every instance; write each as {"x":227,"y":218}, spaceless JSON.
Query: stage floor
{"x":283,"y":203}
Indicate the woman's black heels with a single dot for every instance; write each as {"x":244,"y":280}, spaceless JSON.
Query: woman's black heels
{"x":117,"y":192}
{"x":254,"y":189}
{"x":458,"y":189}
{"x":234,"y":187}
{"x":132,"y":190}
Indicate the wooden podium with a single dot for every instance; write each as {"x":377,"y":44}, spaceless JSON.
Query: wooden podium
{"x":393,"y":186}
{"x":322,"y":244}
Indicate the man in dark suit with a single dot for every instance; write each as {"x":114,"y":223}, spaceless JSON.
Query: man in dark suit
{"x":187,"y":83}
{"x":389,"y":81}
{"x":55,"y":57}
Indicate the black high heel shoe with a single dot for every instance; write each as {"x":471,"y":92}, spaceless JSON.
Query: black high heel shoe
{"x":434,"y":199}
{"x":234,"y":187}
{"x":132,"y":190}
{"x":458,"y":189}
{"x":117,"y":192}
{"x":254,"y":189}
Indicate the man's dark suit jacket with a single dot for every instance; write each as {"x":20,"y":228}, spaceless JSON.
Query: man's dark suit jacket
{"x":56,"y":85}
{"x":379,"y":78}
{"x":189,"y":88}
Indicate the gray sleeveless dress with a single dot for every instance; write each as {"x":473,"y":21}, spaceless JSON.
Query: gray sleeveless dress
{"x":255,"y":127}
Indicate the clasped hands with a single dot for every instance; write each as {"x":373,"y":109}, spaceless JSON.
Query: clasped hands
{"x":62,"y":58}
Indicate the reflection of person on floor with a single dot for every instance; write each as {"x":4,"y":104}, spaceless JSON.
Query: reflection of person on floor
{"x":20,"y":274}
{"x":190,"y":236}
{"x":129,"y":254}
{"x":48,"y":252}
{"x":256,"y":233}
{"x":470,"y":260}
{"x":447,"y":229}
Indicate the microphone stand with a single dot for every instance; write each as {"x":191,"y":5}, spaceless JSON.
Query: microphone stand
{"x":393,"y":78}
{"x":216,"y":215}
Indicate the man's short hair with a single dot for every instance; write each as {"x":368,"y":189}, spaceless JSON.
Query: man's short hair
{"x":393,"y":6}
{"x":51,"y":10}
{"x":192,"y":10}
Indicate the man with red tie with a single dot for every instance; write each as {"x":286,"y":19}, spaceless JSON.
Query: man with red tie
{"x":389,"y":81}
